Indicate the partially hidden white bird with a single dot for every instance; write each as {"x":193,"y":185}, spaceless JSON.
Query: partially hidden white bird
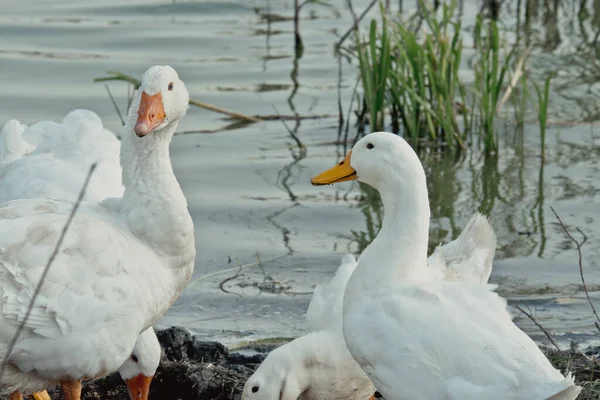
{"x":416,"y":336}
{"x":318,"y":365}
{"x":51,"y":160}
{"x":119,"y":268}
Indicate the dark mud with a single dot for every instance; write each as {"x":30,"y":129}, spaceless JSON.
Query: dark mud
{"x":189,"y":369}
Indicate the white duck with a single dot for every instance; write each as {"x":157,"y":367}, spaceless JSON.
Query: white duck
{"x":116,"y":273}
{"x":318,"y":366}
{"x":418,"y":337}
{"x":51,"y":160}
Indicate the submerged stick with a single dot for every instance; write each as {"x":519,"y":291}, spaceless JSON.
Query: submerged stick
{"x":65,"y":228}
{"x":119,"y":76}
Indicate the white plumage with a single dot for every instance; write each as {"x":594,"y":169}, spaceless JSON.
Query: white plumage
{"x":51,"y":160}
{"x":416,"y":336}
{"x":118,"y":270}
{"x":319,"y":362}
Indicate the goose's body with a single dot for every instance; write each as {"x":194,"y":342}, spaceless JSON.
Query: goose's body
{"x":117,"y":271}
{"x":319,"y":362}
{"x":51,"y":160}
{"x":431,"y":338}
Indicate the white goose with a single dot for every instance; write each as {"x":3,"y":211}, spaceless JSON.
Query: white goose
{"x":51,"y":160}
{"x":418,"y":337}
{"x":116,"y":273}
{"x":318,"y":366}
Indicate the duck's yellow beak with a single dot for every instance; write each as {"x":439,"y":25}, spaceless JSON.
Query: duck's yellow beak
{"x":139,"y":387}
{"x":150,"y":114}
{"x":340,"y":173}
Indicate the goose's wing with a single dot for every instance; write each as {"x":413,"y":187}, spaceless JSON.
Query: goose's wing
{"x":325,"y":308}
{"x":12,"y":144}
{"x":58,"y":159}
{"x":447,"y":340}
{"x":88,"y":297}
{"x":469,"y":257}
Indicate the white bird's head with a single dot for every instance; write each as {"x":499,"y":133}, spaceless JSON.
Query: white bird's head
{"x":139,"y":369}
{"x":277,"y":377}
{"x":161,"y":99}
{"x":378,"y":159}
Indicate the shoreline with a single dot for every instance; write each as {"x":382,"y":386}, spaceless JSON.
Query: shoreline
{"x":192,"y":369}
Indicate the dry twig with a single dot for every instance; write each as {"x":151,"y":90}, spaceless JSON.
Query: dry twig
{"x":585,"y":289}
{"x":519,"y":69}
{"x":356,"y":21}
{"x":114,"y":103}
{"x":119,"y":76}
{"x":530,"y":316}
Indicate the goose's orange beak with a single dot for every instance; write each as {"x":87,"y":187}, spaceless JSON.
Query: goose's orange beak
{"x":139,"y":387}
{"x":150,"y":114}
{"x":340,"y":173}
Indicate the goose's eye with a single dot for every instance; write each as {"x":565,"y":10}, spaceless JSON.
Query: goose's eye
{"x":370,"y":146}
{"x":170,"y":86}
{"x":254,"y":389}
{"x":134,"y":358}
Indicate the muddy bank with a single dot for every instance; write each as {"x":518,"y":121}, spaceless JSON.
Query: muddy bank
{"x":189,"y":369}
{"x":192,"y":369}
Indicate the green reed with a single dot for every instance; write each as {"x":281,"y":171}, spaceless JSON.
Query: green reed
{"x":374,"y":63}
{"x":410,"y":78}
{"x":490,"y":75}
{"x":543,"y":97}
{"x":424,"y":79}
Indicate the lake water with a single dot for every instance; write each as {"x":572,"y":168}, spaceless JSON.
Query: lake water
{"x":248,"y":189}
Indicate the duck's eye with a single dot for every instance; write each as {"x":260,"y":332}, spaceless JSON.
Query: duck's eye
{"x":254,"y":389}
{"x":134,"y":358}
{"x":370,"y":146}
{"x":170,"y":86}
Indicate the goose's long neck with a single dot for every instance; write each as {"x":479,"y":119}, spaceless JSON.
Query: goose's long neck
{"x":153,"y":202}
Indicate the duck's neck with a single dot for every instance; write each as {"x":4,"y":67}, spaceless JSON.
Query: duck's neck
{"x":399,"y":252}
{"x":153,"y":202}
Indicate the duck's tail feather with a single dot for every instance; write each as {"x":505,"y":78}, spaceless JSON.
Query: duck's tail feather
{"x":469,"y":257}
{"x":570,"y":393}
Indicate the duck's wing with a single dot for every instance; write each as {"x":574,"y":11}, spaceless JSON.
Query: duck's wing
{"x":447,"y":340}
{"x":325,"y":308}
{"x":469,"y":257}
{"x":89,"y":297}
{"x":58,"y":157}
